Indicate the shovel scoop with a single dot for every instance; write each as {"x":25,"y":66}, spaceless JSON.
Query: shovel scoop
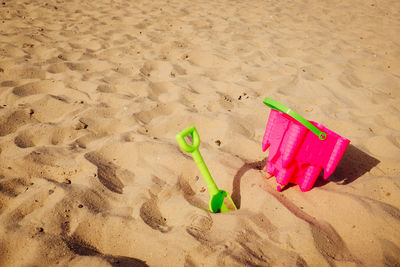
{"x":220,"y":200}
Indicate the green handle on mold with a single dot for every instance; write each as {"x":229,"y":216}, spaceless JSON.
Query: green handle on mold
{"x":282,"y":108}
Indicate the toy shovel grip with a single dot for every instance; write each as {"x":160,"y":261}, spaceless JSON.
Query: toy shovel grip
{"x":282,"y":108}
{"x":180,"y":137}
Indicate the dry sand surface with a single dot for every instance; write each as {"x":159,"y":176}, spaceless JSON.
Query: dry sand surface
{"x":92,"y":94}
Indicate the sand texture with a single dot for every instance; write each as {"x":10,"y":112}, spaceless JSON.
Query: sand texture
{"x":92,"y":94}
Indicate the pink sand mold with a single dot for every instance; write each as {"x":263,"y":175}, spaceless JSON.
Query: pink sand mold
{"x":296,"y":154}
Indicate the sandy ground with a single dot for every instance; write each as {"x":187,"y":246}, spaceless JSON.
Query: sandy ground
{"x":93,"y":93}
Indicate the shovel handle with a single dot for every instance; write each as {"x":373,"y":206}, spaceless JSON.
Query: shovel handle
{"x":180,"y":137}
{"x":198,"y":159}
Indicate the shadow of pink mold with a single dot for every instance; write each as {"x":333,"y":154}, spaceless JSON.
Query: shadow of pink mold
{"x":297,"y":155}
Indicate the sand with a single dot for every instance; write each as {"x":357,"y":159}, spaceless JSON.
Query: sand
{"x":92,"y":94}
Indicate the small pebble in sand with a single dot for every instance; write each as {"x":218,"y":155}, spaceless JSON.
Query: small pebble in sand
{"x":40,"y":229}
{"x":51,"y":191}
{"x":80,"y":206}
{"x":67,"y":181}
{"x":202,"y":189}
{"x":218,"y":142}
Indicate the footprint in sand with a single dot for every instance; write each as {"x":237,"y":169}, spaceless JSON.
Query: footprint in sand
{"x":79,"y":247}
{"x":10,"y":122}
{"x":151,"y":215}
{"x":42,"y":135}
{"x":11,"y":188}
{"x":39,"y":87}
{"x":158,"y":71}
{"x":25,"y":139}
{"x":26,"y":205}
{"x":252,"y":249}
{"x":23,"y":72}
{"x":225,"y":101}
{"x":50,"y":108}
{"x":189,"y":194}
{"x":326,"y":239}
{"x":200,"y":225}
{"x":110,"y":175}
{"x":159,"y":110}
{"x":54,"y":164}
{"x":58,"y":68}
{"x":164,"y":91}
{"x":106,"y":88}
{"x":9,"y":84}
{"x":206,"y":59}
{"x":391,"y":253}
{"x":94,"y":127}
{"x":90,"y":66}
{"x":12,"y":51}
{"x":86,"y":43}
{"x":70,"y":56}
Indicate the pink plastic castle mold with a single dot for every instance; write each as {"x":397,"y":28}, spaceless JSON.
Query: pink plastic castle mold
{"x":297,"y":155}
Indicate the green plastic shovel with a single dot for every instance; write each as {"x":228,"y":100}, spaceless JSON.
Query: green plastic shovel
{"x":217,"y":196}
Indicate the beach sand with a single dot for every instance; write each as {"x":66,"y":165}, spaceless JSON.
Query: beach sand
{"x":92,"y":94}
